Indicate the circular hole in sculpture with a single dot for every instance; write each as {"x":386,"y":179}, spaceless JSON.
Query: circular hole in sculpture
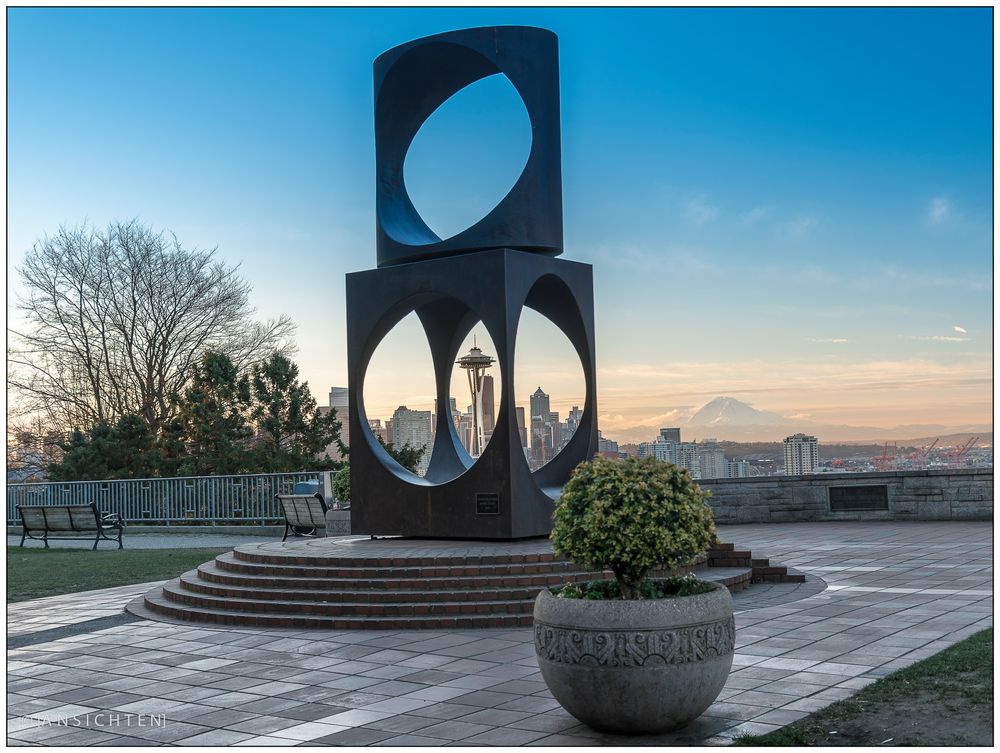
{"x":550,"y":388}
{"x":468,"y":155}
{"x":475,"y":390}
{"x":398,"y":394}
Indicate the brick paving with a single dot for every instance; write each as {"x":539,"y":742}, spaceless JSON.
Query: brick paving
{"x":895,"y":593}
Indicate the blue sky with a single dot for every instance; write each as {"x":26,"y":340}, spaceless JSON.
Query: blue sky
{"x":792,"y":207}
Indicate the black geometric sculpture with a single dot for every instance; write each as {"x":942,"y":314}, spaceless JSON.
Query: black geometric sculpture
{"x":487,"y":273}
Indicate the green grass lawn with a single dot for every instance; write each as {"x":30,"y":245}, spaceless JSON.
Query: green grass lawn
{"x":33,"y":573}
{"x":946,"y":699}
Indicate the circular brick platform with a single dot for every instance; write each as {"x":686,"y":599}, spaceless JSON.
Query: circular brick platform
{"x":356,"y":583}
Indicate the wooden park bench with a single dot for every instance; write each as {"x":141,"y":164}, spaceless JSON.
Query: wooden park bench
{"x":68,"y":522}
{"x":305,"y":514}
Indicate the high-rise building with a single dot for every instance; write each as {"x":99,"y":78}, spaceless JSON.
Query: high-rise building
{"x":412,"y":427}
{"x":670,"y":435}
{"x":801,"y":454}
{"x":489,"y":408}
{"x":711,"y":459}
{"x":378,"y":429}
{"x":522,"y":429}
{"x":539,"y":404}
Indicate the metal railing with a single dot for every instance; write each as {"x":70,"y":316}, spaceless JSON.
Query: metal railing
{"x":215,"y":500}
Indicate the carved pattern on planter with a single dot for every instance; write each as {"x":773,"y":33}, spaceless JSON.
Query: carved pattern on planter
{"x":635,"y":648}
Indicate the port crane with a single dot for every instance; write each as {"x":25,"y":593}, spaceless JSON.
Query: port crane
{"x":919,"y":458}
{"x":956,"y":455}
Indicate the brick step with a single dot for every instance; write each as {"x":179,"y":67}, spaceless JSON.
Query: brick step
{"x":156,"y":603}
{"x":756,"y":562}
{"x":251,"y":553}
{"x":333,"y":570}
{"x":772,"y":570}
{"x":265,"y":579}
{"x":193,"y":581}
{"x":176,"y":592}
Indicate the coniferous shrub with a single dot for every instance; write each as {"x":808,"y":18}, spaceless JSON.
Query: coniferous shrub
{"x":630,"y":515}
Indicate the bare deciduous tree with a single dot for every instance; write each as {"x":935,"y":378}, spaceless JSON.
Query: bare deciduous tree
{"x":116,"y":318}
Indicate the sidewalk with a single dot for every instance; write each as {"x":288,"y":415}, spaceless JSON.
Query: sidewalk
{"x":133,"y":540}
{"x":895,"y":593}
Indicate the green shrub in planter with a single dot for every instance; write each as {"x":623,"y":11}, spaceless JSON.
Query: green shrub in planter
{"x":630,"y":515}
{"x":342,"y":486}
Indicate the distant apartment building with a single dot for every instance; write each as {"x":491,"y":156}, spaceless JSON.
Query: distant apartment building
{"x":711,"y":459}
{"x":688,"y":457}
{"x":737,"y":469}
{"x":375,"y":424}
{"x":801,"y":454}
{"x":660,"y":449}
{"x":607,"y":447}
{"x":339,"y":402}
{"x":413,"y":427}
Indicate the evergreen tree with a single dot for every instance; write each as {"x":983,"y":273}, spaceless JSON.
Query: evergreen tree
{"x":407,"y":456}
{"x":126,"y":450}
{"x":212,"y":424}
{"x":291,"y":432}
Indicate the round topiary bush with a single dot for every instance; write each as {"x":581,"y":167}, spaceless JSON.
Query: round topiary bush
{"x":628,"y":516}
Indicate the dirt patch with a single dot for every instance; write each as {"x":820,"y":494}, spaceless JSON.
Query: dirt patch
{"x":923,"y":719}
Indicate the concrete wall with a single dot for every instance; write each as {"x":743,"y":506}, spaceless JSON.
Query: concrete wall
{"x":912,"y":495}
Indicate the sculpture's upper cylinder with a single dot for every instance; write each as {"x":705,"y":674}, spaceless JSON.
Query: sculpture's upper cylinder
{"x":411,"y":82}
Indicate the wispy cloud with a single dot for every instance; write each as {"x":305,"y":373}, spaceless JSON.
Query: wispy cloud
{"x":755,"y":215}
{"x":835,"y":340}
{"x":959,"y":329}
{"x":698,"y":210}
{"x":939,"y":338}
{"x":797,"y":227}
{"x":939,"y":209}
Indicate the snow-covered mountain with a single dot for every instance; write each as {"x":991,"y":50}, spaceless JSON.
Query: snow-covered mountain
{"x":728,"y":411}
{"x":732,"y":419}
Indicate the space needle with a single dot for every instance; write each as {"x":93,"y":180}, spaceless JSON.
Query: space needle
{"x":475,"y":363}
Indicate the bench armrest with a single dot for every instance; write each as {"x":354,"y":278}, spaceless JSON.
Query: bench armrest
{"x":112,"y":519}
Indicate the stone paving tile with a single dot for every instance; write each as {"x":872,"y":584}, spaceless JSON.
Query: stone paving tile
{"x":216,"y":737}
{"x":355,"y":737}
{"x":896,"y":593}
{"x":506,"y":736}
{"x":267,"y":741}
{"x":401,"y":723}
{"x":560,"y":740}
{"x":355,"y":717}
{"x":455,"y":729}
{"x":446,"y":710}
{"x":402,"y":741}
{"x":308,"y":731}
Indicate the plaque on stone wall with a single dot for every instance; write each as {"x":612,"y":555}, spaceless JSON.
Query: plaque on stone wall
{"x":859,"y":498}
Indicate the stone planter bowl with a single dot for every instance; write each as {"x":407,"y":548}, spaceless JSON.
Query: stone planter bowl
{"x":637,"y":666}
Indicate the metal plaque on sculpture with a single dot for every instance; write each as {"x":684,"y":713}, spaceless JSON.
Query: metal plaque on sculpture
{"x":486,"y":273}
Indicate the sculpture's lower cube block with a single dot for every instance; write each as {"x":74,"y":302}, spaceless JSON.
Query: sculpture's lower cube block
{"x":495,"y":496}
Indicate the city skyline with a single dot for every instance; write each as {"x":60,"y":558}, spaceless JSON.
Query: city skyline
{"x":787,"y":206}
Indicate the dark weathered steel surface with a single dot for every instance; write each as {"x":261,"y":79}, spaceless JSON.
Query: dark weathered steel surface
{"x":449,"y":296}
{"x":488,"y":272}
{"x":411,"y":82}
